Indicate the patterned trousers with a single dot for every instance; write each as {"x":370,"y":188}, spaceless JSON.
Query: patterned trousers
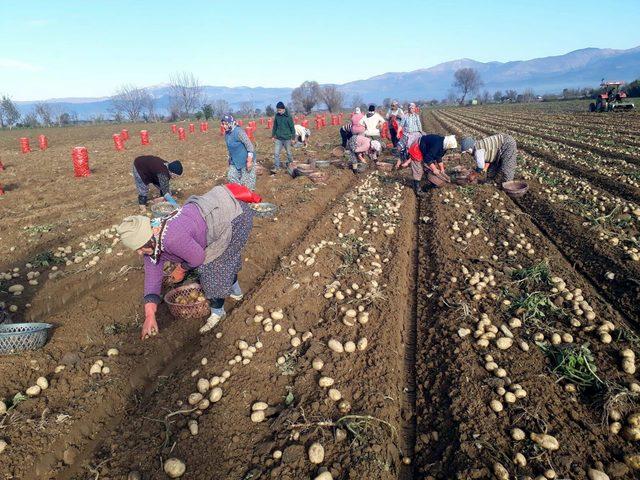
{"x":504,"y":168}
{"x":243,"y":176}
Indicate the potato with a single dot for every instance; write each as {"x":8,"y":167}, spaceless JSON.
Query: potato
{"x":202,"y":385}
{"x":3,"y":408}
{"x":326,"y":382}
{"x":43,"y":383}
{"x":215,"y":395}
{"x":95,"y":368}
{"x":3,"y":446}
{"x":316,"y":453}
{"x":277,"y":315}
{"x":277,"y":454}
{"x":324,"y":476}
{"x":242,"y":345}
{"x":194,"y":398}
{"x":504,"y":343}
{"x":349,"y":347}
{"x":547,"y":442}
{"x":500,"y":472}
{"x":317,"y":364}
{"x":344,"y":406}
{"x":596,"y":475}
{"x":295,"y":342}
{"x":631,"y":433}
{"x":33,"y":391}
{"x":520,"y":460}
{"x":113,"y":352}
{"x":634,"y":419}
{"x":633,"y":461}
{"x":496,"y":406}
{"x":629,"y":365}
{"x":258,"y":416}
{"x":257,"y":406}
{"x":174,"y":468}
{"x":615,"y":427}
{"x":362,"y":344}
{"x":203,"y":404}
{"x":193,"y":427}
{"x":335,"y":395}
{"x":335,"y":346}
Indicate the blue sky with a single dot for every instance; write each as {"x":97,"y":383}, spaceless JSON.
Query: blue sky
{"x":56,"y":48}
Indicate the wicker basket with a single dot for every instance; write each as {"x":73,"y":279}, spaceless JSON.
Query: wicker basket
{"x":188,"y":310}
{"x":17,"y":337}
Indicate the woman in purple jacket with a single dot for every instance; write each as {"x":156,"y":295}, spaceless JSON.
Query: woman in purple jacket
{"x":206,"y":234}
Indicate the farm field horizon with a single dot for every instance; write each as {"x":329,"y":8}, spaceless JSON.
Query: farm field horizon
{"x":460,"y":334}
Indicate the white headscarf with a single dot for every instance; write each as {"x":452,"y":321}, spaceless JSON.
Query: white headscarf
{"x":376,"y":145}
{"x":357,"y":110}
{"x":450,"y":142}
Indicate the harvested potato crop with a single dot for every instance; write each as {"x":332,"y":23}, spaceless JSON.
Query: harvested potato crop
{"x":316,"y":453}
{"x":174,"y":468}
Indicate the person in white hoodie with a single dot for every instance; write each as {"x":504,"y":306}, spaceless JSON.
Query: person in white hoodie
{"x":373,"y":122}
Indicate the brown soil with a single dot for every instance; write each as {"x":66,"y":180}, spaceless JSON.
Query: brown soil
{"x":418,"y":394}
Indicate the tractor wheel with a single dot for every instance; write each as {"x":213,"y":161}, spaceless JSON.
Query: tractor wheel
{"x":592,"y":107}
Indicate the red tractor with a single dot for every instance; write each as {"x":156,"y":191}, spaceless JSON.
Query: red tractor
{"x":612,"y":99}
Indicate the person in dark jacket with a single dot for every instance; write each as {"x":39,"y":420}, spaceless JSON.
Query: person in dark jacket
{"x":428,"y":150}
{"x":282,"y":133}
{"x":151,"y":170}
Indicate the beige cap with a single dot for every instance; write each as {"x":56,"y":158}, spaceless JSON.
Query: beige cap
{"x":135,"y":231}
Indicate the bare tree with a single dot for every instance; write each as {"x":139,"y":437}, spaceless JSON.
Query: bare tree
{"x":306,"y":96}
{"x":486,"y":97}
{"x":497,"y":96}
{"x":512,"y":95}
{"x":246,"y":108}
{"x":356,"y":101}
{"x":467,"y":80}
{"x":332,"y":98}
{"x":220,"y":107}
{"x":44,"y":112}
{"x":30,"y":119}
{"x":528,"y":95}
{"x":132,"y":102}
{"x":186,"y":92}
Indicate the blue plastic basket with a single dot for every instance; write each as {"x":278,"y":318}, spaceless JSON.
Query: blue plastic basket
{"x":17,"y":337}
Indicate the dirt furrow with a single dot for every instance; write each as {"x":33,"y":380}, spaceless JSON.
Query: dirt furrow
{"x":595,"y":260}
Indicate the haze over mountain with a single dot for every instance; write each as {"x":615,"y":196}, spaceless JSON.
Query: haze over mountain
{"x":580,"y":68}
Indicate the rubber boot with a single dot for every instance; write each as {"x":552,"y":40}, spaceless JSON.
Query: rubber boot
{"x":416,"y":188}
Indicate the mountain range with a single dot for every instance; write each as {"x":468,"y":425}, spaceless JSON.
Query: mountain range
{"x":576,"y":69}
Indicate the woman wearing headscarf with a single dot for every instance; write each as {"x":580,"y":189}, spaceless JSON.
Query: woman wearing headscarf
{"x":495,"y":155}
{"x":394,"y":116}
{"x":360,"y":146}
{"x":429,"y":150}
{"x":411,"y":121}
{"x":207,"y":234}
{"x":357,"y":122}
{"x":241,"y":154}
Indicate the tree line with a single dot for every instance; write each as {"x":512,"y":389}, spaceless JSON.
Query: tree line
{"x":188,"y":100}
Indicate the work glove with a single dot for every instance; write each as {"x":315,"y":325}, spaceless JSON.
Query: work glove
{"x":178,"y":273}
{"x":150,"y":326}
{"x":170,"y":199}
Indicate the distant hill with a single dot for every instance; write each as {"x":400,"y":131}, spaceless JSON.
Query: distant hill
{"x":580,"y":68}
